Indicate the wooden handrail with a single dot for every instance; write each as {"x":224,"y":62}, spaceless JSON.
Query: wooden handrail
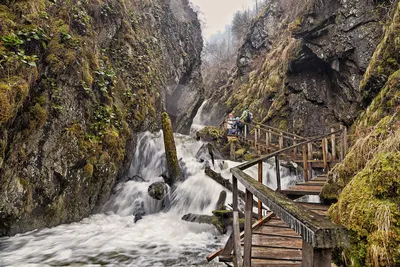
{"x":319,"y":234}
{"x":277,"y":131}
{"x":314,"y":229}
{"x":278,"y":152}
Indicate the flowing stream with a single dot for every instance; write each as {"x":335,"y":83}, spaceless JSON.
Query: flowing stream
{"x":160,"y":238}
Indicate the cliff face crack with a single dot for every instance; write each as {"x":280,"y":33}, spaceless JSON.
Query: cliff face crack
{"x":362,"y":23}
{"x":317,"y":30}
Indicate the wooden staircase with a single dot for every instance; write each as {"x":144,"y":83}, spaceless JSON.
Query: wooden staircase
{"x":302,"y":235}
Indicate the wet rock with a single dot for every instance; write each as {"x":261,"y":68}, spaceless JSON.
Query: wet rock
{"x":207,"y":219}
{"x":137,"y":178}
{"x":157,"y":190}
{"x":221,"y":201}
{"x":209,"y":133}
{"x":138,"y":211}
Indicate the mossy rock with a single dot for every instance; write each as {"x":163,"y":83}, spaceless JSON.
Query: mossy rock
{"x":87,"y":170}
{"x":368,"y":207}
{"x":240,"y":152}
{"x":330,"y":191}
{"x":209,"y":133}
{"x":250,"y":156}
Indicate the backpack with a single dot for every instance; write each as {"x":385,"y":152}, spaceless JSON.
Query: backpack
{"x":250,"y":116}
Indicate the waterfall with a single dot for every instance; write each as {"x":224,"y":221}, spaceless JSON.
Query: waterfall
{"x":160,"y":238}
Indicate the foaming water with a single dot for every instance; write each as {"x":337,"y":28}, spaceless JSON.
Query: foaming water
{"x":160,"y":238}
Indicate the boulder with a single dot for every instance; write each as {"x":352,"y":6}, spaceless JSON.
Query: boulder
{"x":157,"y":190}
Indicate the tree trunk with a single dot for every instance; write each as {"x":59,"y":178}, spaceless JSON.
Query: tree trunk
{"x":174,"y":171}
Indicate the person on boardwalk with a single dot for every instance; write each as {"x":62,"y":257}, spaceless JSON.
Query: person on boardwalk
{"x":230,"y":124}
{"x":238,"y":126}
{"x":246,"y":117}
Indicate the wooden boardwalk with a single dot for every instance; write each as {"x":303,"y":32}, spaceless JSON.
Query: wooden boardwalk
{"x":273,"y":241}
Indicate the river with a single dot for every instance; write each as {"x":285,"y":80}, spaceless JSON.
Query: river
{"x":160,"y":238}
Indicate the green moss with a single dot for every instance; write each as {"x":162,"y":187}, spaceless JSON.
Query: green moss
{"x":240,"y":152}
{"x":38,"y":116}
{"x":174,"y":171}
{"x":368,"y":206}
{"x":209,"y":133}
{"x":330,"y":191}
{"x":383,"y":62}
{"x":248,"y":157}
{"x":87,"y":170}
{"x":222,"y":213}
{"x":218,"y":224}
{"x":284,"y":125}
{"x":23,"y":182}
{"x":13,"y":93}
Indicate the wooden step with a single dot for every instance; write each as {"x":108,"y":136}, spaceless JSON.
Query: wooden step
{"x":274,"y":263}
{"x":277,"y":241}
{"x":312,"y":183}
{"x":302,"y":190}
{"x":276,"y":254}
{"x":320,"y":178}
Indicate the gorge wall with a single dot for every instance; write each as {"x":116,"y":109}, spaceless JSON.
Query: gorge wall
{"x":301,"y":63}
{"x":78,"y":81}
{"x":307,"y":66}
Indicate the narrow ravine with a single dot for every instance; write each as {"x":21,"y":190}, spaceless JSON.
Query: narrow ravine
{"x":160,"y":238}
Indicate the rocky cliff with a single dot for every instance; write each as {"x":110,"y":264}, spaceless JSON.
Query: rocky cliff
{"x":367,"y":183}
{"x":301,"y":63}
{"x":306,"y":66}
{"x":78,"y":81}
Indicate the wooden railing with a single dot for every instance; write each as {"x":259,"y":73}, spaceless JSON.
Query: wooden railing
{"x":319,"y":234}
{"x":327,"y":150}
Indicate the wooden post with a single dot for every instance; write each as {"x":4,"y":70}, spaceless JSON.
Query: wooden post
{"x":245,"y":131}
{"x":295,"y":149}
{"x":333,"y":144}
{"x":266,"y":141}
{"x":260,"y":180}
{"x":233,"y":150}
{"x":234,"y":193}
{"x":281,"y":141}
{"x":310,"y":157}
{"x":270,"y":137}
{"x":313,"y":257}
{"x":236,"y":235}
{"x":324,"y":156}
{"x":305,"y":172}
{"x":278,"y":173}
{"x":341,"y":143}
{"x":248,"y":229}
{"x":236,"y":229}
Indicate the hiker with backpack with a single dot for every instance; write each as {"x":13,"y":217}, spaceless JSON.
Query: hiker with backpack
{"x":247,"y":118}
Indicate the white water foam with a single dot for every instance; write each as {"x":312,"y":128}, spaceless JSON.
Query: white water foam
{"x":112,"y":238}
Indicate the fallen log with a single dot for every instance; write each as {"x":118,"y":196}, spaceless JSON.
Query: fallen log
{"x":226,"y":183}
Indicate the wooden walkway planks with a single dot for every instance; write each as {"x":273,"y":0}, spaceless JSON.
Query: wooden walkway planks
{"x":312,"y":187}
{"x":274,"y":243}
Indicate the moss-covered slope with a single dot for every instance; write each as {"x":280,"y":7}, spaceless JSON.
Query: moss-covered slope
{"x":78,"y":80}
{"x":369,"y":178}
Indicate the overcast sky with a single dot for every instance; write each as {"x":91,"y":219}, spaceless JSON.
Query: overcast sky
{"x":218,"y":13}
